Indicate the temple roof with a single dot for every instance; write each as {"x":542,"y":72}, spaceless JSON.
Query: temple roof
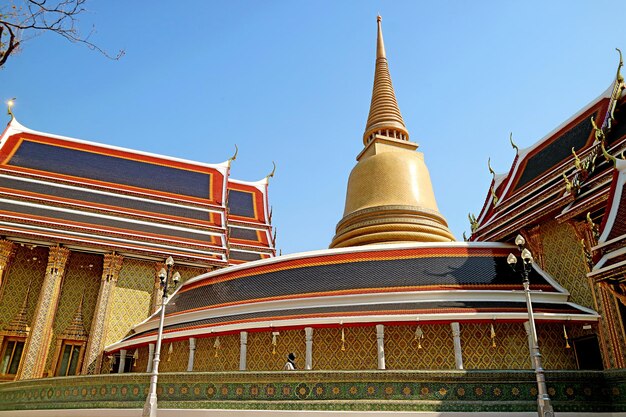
{"x":371,"y":284}
{"x":91,"y":195}
{"x":534,"y":188}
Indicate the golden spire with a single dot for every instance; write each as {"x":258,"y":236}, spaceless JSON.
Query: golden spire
{"x":390,"y":198}
{"x":384,"y":116}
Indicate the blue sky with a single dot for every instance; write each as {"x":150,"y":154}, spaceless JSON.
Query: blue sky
{"x":290,"y":82}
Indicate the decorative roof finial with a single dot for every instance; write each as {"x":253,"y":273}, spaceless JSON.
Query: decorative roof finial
{"x":232,"y":158}
{"x":618,"y":76}
{"x":271,"y":174}
{"x":10,"y":104}
{"x":513,"y":144}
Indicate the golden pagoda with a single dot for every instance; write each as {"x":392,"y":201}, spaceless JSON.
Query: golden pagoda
{"x":390,"y":197}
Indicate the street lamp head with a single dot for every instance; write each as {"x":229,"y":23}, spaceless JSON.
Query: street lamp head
{"x":169,"y":262}
{"x":520,"y":241}
{"x":162,"y":275}
{"x":527,"y":257}
{"x":176,"y":278}
{"x":511,"y":260}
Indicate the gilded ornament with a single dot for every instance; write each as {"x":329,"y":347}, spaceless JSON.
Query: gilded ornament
{"x":513,"y":143}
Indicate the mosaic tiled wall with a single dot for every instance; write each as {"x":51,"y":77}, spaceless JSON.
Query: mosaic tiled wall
{"x":130,"y":301}
{"x":360,"y":348}
{"x":565,"y":261}
{"x":261,"y":354}
{"x":402,"y":351}
{"x":511,"y":350}
{"x":28,"y":267}
{"x":174,"y":356}
{"x":82,"y":279}
{"x":227,"y":358}
{"x":141,"y":363}
{"x":552,"y":347}
{"x":461,"y":391}
{"x":188,"y":272}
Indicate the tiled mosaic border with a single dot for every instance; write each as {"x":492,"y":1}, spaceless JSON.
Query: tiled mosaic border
{"x":370,"y":390}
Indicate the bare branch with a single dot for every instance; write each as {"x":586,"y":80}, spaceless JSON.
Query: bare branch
{"x":38,"y":16}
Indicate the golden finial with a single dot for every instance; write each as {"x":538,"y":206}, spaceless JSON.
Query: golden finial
{"x":607,"y":156}
{"x":599,"y":133}
{"x":568,"y":184}
{"x":576,"y":159}
{"x":271,"y":174}
{"x":513,"y":144}
{"x":10,"y":104}
{"x":232,"y":158}
{"x":473,"y":222}
{"x":491,"y":169}
{"x":618,"y":76}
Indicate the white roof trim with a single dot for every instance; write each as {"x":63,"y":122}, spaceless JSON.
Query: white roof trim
{"x":620,"y":166}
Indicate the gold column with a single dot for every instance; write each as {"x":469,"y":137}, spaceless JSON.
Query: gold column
{"x":157,"y":292}
{"x":38,"y":341}
{"x":612,"y":345}
{"x":110,"y":274}
{"x":7,"y":250}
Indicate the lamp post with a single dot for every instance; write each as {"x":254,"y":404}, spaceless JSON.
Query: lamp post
{"x":544,"y":406}
{"x":150,"y":407}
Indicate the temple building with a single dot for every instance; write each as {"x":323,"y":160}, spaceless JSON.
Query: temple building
{"x":429,"y":323}
{"x":564,"y":194}
{"x":85,"y":228}
{"x":395,"y":291}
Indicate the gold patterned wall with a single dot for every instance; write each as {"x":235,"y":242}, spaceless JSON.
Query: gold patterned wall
{"x":28,"y":268}
{"x":511,"y":351}
{"x":360,"y":348}
{"x":552,"y":347}
{"x":227,"y":358}
{"x":402,"y":350}
{"x":188,"y":272}
{"x":130,"y":301}
{"x":177,"y":360}
{"x":565,"y":261}
{"x":141,"y":363}
{"x":81,"y":279}
{"x":260,"y":350}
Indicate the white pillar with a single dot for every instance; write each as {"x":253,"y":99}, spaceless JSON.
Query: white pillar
{"x":243,"y":350}
{"x":150,"y":357}
{"x":530,"y":343}
{"x":456,"y":337}
{"x":308,"y":357}
{"x":192,"y":353}
{"x":120,"y":368}
{"x":380,"y":339}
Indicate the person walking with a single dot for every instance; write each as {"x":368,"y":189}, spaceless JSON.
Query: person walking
{"x":291,"y":362}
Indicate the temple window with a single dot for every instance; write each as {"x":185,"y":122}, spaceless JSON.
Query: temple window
{"x":70,"y":358}
{"x":12,"y":349}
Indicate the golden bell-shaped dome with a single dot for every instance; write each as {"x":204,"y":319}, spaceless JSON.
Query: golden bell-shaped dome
{"x":390,"y":197}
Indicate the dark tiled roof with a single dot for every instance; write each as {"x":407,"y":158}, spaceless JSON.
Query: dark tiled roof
{"x":357,"y":276}
{"x":79,"y":163}
{"x":555,"y":152}
{"x":241,"y":203}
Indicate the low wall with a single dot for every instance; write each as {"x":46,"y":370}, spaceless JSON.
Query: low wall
{"x":496,"y":391}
